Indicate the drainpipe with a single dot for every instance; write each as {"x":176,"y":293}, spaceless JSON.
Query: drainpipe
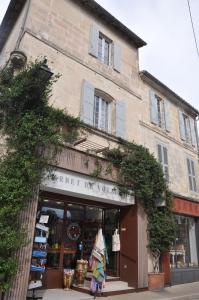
{"x":18,"y":58}
{"x":23,"y":26}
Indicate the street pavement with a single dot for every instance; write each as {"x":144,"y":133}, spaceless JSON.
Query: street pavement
{"x":188,"y":291}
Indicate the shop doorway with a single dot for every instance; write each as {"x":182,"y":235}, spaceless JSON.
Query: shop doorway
{"x":71,"y":224}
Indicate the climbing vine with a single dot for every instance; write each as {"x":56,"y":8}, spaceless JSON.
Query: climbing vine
{"x":33,"y":132}
{"x":140,"y":174}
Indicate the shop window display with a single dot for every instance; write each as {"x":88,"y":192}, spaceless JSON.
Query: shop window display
{"x":93,"y":222}
{"x":72,"y":234}
{"x":55,"y":211}
{"x":183,"y":253}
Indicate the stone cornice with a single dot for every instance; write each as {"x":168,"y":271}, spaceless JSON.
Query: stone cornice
{"x":167,"y":136}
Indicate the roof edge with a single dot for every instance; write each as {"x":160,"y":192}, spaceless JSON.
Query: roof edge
{"x":98,"y":10}
{"x":14,"y":9}
{"x":149,"y":78}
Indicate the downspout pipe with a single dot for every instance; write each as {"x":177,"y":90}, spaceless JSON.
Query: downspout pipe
{"x":23,"y":26}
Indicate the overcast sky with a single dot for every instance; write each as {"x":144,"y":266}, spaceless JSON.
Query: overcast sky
{"x":170,"y":54}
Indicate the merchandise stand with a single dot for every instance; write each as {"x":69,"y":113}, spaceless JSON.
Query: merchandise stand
{"x":39,"y":255}
{"x":33,"y":296}
{"x":98,"y":261}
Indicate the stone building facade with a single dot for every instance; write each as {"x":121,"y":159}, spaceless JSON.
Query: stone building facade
{"x":97,"y":57}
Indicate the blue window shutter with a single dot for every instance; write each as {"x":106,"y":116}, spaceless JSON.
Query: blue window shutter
{"x":94,"y":36}
{"x":182,"y":126}
{"x":193,"y":132}
{"x":153,"y":108}
{"x":120,"y":118}
{"x":167,"y":115}
{"x":87,"y":104}
{"x":117,"y":57}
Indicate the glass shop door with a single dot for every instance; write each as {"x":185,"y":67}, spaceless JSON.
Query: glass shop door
{"x":111,"y":222}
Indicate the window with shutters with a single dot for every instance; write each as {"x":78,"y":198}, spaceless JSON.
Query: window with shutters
{"x":191,"y":175}
{"x":160,"y":112}
{"x":104,"y":49}
{"x":187,"y":129}
{"x":102,"y":111}
{"x":161,"y":117}
{"x":163,"y":160}
{"x":186,"y":123}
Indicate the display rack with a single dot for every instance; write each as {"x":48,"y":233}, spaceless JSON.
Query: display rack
{"x":39,"y":255}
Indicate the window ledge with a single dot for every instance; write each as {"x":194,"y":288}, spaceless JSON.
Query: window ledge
{"x":102,"y":133}
{"x":166,"y":134}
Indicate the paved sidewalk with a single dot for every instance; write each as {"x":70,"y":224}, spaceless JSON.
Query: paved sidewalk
{"x":188,"y":291}
{"x":60,"y":294}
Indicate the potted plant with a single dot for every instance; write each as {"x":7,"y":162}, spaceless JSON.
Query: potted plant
{"x":161,"y":226}
{"x":156,"y":278}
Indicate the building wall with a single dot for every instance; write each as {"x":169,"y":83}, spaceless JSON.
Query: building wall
{"x":178,"y":150}
{"x":60,"y":30}
{"x":65,"y":42}
{"x":48,"y":20}
{"x":67,"y":91}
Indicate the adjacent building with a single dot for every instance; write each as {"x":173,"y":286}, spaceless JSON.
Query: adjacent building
{"x":102,"y":84}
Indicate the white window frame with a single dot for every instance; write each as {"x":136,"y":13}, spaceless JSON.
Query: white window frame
{"x":102,"y":58}
{"x":161,"y":111}
{"x":187,"y":128}
{"x":107,"y":117}
{"x":191,"y":175}
{"x":164,"y":164}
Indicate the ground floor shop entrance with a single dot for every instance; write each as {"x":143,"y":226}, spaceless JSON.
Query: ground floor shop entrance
{"x":72,"y":231}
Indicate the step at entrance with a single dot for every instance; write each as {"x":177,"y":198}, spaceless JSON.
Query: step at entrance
{"x":108,"y":278}
{"x":115,"y":287}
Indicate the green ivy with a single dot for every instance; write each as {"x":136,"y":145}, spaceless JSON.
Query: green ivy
{"x":34,"y":132}
{"x":140,"y":174}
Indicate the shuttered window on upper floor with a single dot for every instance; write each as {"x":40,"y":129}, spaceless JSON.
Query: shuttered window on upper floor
{"x":103,"y":48}
{"x":160,"y":112}
{"x":191,"y":175}
{"x":98,"y":110}
{"x":187,"y":129}
{"x":163,"y":160}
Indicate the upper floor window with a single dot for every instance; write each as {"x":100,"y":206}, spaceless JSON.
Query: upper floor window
{"x":187,"y":129}
{"x":159,"y":110}
{"x":103,"y":48}
{"x":163,"y":160}
{"x":192,"y":175}
{"x":101,"y":113}
{"x":100,"y":110}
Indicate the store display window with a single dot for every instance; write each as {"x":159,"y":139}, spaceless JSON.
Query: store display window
{"x":55,"y":211}
{"x":184,"y":250}
{"x":73,"y":227}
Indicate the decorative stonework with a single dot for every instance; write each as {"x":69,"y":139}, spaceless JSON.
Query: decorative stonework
{"x":18,"y":59}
